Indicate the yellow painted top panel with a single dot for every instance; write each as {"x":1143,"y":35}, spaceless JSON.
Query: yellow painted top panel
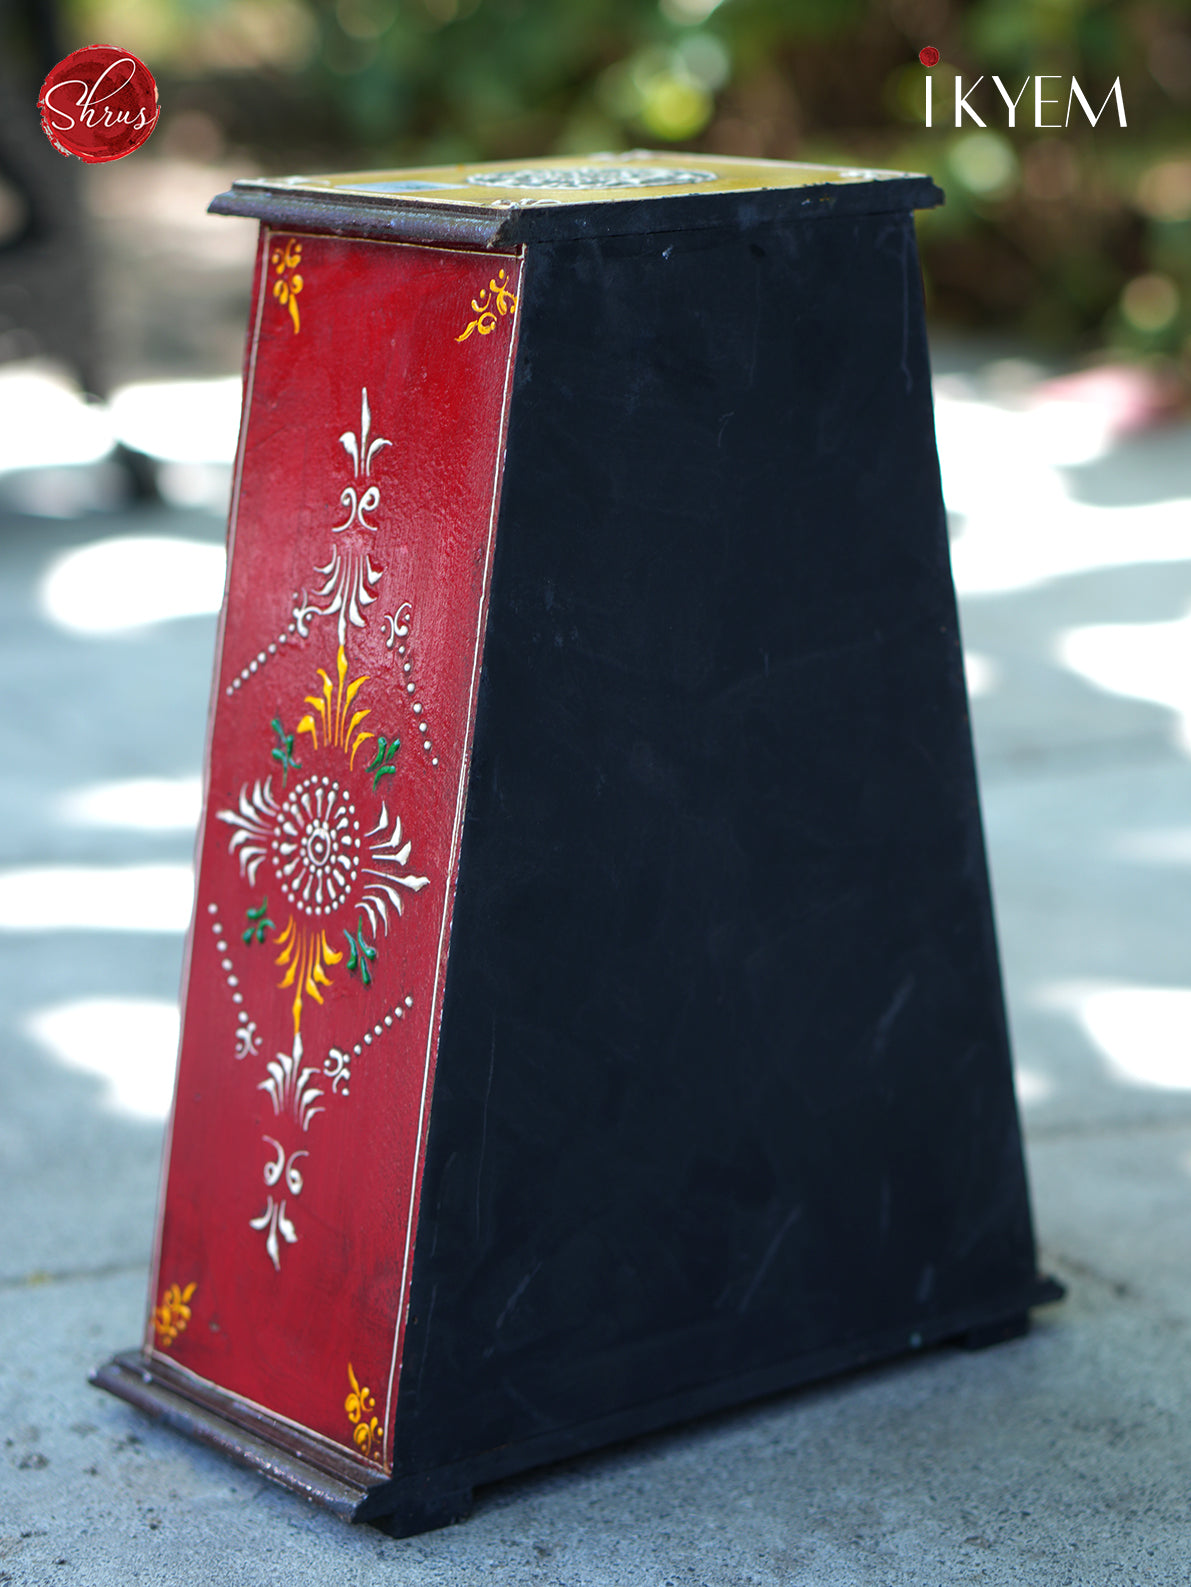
{"x":580,"y":179}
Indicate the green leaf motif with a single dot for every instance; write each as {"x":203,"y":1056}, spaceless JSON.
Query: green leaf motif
{"x":283,"y":751}
{"x":381,"y":765}
{"x":258,"y":922}
{"x":359,"y":954}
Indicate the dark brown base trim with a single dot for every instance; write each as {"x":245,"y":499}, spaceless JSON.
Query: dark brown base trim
{"x":250,"y":1437}
{"x":416,"y":1502}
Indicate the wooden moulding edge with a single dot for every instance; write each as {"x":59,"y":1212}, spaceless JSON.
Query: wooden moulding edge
{"x":369,"y":216}
{"x":276,"y":1449}
{"x":369,"y":221}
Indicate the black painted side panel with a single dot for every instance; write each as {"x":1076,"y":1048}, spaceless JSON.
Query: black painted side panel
{"x":723,"y":1077}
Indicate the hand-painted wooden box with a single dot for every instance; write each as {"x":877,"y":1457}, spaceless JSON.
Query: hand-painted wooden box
{"x":592,"y":1010}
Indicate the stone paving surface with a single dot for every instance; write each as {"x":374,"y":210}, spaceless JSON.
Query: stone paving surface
{"x":1059,"y":1458}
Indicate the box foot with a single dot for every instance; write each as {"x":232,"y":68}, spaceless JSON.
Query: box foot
{"x":426,"y":1512}
{"x":995,"y":1333}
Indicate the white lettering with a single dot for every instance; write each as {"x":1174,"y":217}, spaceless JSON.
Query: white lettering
{"x":1039,"y":101}
{"x":56,"y":109}
{"x":961,"y":101}
{"x":1012,"y":103}
{"x":1113,"y":93}
{"x":88,"y":114}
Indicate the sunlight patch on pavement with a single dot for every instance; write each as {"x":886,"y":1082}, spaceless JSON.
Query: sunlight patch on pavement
{"x":45,"y":423}
{"x":179,"y":421}
{"x":1001,"y":471}
{"x":131,"y":581}
{"x":129,"y":1042}
{"x":96,"y":898}
{"x":1158,"y":846}
{"x":978,"y":440}
{"x":1031,"y":1086}
{"x":145,"y":804}
{"x":1143,"y":1033}
{"x":997,"y":552}
{"x":981,"y":674}
{"x":1145,"y":661}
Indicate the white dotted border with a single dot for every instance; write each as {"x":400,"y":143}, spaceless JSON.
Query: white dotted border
{"x":337,"y":1064}
{"x":259,"y":660}
{"x":379,"y":1028}
{"x":299,"y":627}
{"x":225,"y":963}
{"x":399,"y":630}
{"x":246,"y":1038}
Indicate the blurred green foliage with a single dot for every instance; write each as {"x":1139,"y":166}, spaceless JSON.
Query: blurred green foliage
{"x":1080,"y":236}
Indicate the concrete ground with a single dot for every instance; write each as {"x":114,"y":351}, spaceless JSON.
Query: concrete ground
{"x":1064,"y":1457}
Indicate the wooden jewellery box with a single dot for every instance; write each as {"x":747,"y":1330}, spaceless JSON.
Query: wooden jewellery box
{"x":592,"y":1007}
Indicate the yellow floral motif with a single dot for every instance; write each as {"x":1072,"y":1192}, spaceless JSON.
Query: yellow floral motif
{"x":306,"y":952}
{"x":330,"y":712}
{"x":286,"y":259}
{"x":360,"y":1406}
{"x":497,"y":299}
{"x":171,"y":1317}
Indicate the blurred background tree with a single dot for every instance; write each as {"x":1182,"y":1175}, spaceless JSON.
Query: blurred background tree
{"x":1078,"y":238}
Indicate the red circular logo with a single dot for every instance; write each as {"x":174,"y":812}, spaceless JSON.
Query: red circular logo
{"x":100,"y":103}
{"x":929,"y":56}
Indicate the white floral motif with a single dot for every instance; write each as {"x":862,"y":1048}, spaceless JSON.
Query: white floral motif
{"x":393,"y":855}
{"x":274,"y":1219}
{"x":337,"y":1067}
{"x":349,"y":578}
{"x":398,"y":628}
{"x":303,"y":612}
{"x":330,"y":872}
{"x":316,"y":853}
{"x":357,"y":507}
{"x":359,"y":449}
{"x":289,"y":1086}
{"x":254,"y":824}
{"x":247,"y":1040}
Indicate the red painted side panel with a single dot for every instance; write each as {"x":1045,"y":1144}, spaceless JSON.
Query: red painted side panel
{"x":362,"y":525}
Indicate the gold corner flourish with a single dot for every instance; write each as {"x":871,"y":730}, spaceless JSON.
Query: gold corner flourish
{"x":285,"y":260}
{"x":172,"y":1315}
{"x":497,"y":299}
{"x":360,"y":1406}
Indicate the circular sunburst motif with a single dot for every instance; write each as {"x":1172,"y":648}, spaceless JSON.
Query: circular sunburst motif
{"x":312,"y":836}
{"x":316,"y":846}
{"x":592,"y":176}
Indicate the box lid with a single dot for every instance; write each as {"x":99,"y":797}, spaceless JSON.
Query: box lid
{"x":518,"y":201}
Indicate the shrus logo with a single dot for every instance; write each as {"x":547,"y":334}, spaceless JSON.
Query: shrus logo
{"x":1043,"y":101}
{"x":100,"y":103}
